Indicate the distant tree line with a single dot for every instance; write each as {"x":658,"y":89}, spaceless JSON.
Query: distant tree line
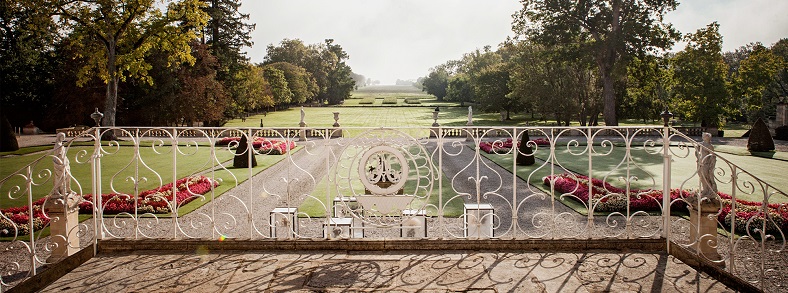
{"x":582,"y":61}
{"x":142,"y":63}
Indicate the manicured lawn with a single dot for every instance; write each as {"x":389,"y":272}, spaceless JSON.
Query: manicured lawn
{"x":648,"y":168}
{"x":120,"y":166}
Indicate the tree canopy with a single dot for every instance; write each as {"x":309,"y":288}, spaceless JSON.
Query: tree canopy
{"x":608,"y":30}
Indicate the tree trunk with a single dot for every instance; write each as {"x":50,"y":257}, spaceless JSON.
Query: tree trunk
{"x":609,"y":96}
{"x":111,"y":103}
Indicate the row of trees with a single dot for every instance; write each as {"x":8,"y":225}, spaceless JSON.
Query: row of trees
{"x":582,"y":60}
{"x":142,"y":63}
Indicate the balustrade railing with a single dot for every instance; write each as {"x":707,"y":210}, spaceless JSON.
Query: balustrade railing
{"x":466,"y":183}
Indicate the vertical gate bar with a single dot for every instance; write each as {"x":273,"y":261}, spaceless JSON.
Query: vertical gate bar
{"x":174,"y":203}
{"x":439,"y":143}
{"x":590,"y":149}
{"x":734,"y":179}
{"x":214,"y":161}
{"x":553,"y":142}
{"x":666,"y":185}
{"x":136,"y":138}
{"x":98,"y":209}
{"x":627,"y":192}
{"x":32,"y":234}
{"x":515,"y":151}
{"x":249,"y":156}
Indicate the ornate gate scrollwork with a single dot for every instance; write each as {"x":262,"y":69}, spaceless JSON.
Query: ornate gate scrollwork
{"x":394,"y":171}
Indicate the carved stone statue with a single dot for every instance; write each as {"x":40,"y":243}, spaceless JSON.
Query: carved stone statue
{"x":706,"y":164}
{"x":303,"y":114}
{"x":62,"y":178}
{"x":470,"y":115}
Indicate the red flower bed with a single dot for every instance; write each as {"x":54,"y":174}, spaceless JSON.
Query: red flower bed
{"x":649,"y":200}
{"x":19,"y":218}
{"x":150,"y":201}
{"x":639,"y":200}
{"x":263,"y":145}
{"x":502,"y":147}
{"x":496,"y":147}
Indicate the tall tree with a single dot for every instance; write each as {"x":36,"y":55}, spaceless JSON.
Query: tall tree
{"x":299,"y":81}
{"x":436,"y":83}
{"x":27,"y":60}
{"x":116,"y":35}
{"x":227,"y":33}
{"x":491,"y":89}
{"x":755,"y":75}
{"x":699,"y":71}
{"x":611,"y":30}
{"x":460,"y":89}
{"x":200,"y":96}
{"x":252,"y":92}
{"x":325,"y":62}
{"x":279,"y":88}
{"x":648,"y":81}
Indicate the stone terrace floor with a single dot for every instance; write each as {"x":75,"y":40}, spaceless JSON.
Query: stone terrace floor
{"x":390,"y":271}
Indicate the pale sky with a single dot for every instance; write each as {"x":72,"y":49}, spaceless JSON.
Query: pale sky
{"x":401,"y":39}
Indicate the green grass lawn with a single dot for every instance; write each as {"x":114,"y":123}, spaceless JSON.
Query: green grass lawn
{"x":648,"y":168}
{"x":120,"y":166}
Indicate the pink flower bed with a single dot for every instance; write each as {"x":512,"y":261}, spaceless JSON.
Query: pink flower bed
{"x":502,"y":147}
{"x":496,"y":147}
{"x":639,"y":200}
{"x":650,"y":200}
{"x":150,"y":201}
{"x":263,"y":145}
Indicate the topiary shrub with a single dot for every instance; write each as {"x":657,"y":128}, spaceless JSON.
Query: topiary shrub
{"x":525,"y":155}
{"x":760,"y":139}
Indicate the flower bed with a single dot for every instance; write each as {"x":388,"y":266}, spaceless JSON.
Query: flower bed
{"x":19,"y":218}
{"x":502,"y":147}
{"x":609,"y":197}
{"x":263,"y":145}
{"x":150,"y":201}
{"x":650,"y":200}
{"x":749,"y":211}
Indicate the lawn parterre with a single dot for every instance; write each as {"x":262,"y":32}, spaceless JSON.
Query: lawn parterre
{"x":608,"y":198}
{"x":157,"y":201}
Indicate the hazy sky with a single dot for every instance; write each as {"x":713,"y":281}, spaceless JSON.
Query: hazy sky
{"x":402,"y":39}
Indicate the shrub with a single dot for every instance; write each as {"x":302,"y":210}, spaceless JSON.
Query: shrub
{"x":390,"y":100}
{"x":367,"y":101}
{"x":412,"y":101}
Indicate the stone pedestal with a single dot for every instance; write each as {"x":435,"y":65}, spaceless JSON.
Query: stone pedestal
{"x":284,"y":217}
{"x":414,"y":224}
{"x":336,"y":132}
{"x":478,"y":220}
{"x":435,"y":125}
{"x":302,"y":133}
{"x":469,"y":136}
{"x":63,"y":227}
{"x":704,"y":235}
